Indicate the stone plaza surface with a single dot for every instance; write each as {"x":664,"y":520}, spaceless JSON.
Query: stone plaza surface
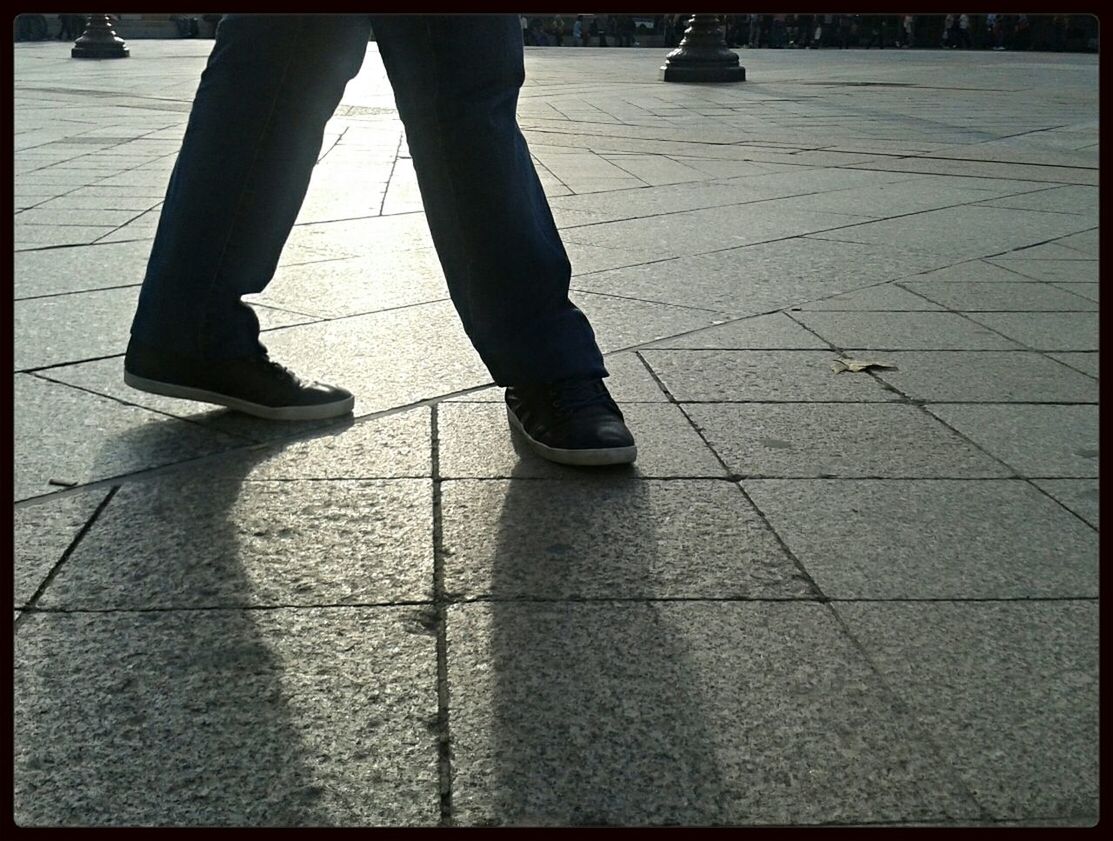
{"x":818,"y":598}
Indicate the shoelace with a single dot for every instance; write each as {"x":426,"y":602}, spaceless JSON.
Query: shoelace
{"x":278,"y":369}
{"x":573,"y":397}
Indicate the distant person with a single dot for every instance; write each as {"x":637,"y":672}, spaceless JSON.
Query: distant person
{"x":908,"y":31}
{"x":72,"y":27}
{"x":255,"y":130}
{"x":948,"y":31}
{"x":595,"y":33}
{"x":526,"y":39}
{"x":1022,"y":33}
{"x":578,"y":32}
{"x":965,"y":41}
{"x":755,"y":31}
{"x":558,"y":30}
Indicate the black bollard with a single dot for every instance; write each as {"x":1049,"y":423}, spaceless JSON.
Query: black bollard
{"x":703,"y":55}
{"x":99,"y":40}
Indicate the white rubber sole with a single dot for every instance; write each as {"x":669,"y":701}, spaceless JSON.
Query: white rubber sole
{"x":281,"y":413}
{"x":576,"y":458}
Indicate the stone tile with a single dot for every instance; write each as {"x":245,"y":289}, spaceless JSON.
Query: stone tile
{"x":303,"y":543}
{"x":903,"y":331}
{"x":395,"y":446}
{"x":1008,"y":690}
{"x":970,"y":271}
{"x":61,"y":217}
{"x":773,"y":331}
{"x":353,"y":286}
{"x":386,"y":359}
{"x":1089,"y":291}
{"x":629,"y":382}
{"x":1079,"y":495}
{"x":610,"y":536}
{"x":1041,"y":441}
{"x":476,"y":441}
{"x":72,"y":436}
{"x":968,"y":231}
{"x":1084,"y":242}
{"x":838,"y":440}
{"x":885,"y":297}
{"x":941,"y":539}
{"x":985,"y":377}
{"x":975,"y":297}
{"x":52,"y":236}
{"x":760,"y":375}
{"x":213,"y":718}
{"x":697,"y":231}
{"x":72,"y":328}
{"x":683,"y":714}
{"x":1084,"y":361}
{"x":1072,"y":199}
{"x":586,"y":259}
{"x":1045,"y":330}
{"x":1065,"y":271}
{"x":762,"y":277}
{"x":620,"y":323}
{"x":1045,"y":251}
{"x":42,"y":534}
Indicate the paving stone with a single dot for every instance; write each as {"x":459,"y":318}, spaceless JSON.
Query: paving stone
{"x":615,"y":537}
{"x":42,"y":534}
{"x":72,"y":436}
{"x":620,"y":323}
{"x":586,"y":259}
{"x":71,"y":328}
{"x":837,"y":440}
{"x":1067,"y":271}
{"x":687,"y":714}
{"x":760,"y":375}
{"x":761,"y":277}
{"x":1086,"y":290}
{"x":353,"y":286}
{"x":975,"y":297}
{"x":773,"y":331}
{"x":1045,"y":251}
{"x":1081,"y":200}
{"x":969,"y":231}
{"x":970,"y":271}
{"x":387,"y":359}
{"x":903,"y":331}
{"x":697,"y":231}
{"x":629,"y":382}
{"x":1079,"y":495}
{"x":51,"y":236}
{"x":217,"y":541}
{"x":226,"y":718}
{"x":1045,"y":330}
{"x":985,"y":377}
{"x":1086,"y":362}
{"x":1009,"y":691}
{"x":1040,"y":441}
{"x":885,"y":297}
{"x":476,"y":440}
{"x":395,"y":446}
{"x":943,"y":539}
{"x":1084,"y":242}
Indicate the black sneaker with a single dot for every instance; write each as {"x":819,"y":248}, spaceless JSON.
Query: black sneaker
{"x":571,"y":422}
{"x":255,"y":385}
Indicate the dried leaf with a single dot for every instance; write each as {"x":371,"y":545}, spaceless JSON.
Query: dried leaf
{"x":856,"y":365}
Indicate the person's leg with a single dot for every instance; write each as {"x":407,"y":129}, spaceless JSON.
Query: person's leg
{"x":456,"y":81}
{"x":253,"y":137}
{"x":271,"y":84}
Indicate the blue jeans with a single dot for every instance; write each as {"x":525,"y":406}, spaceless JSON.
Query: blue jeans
{"x":254,"y":134}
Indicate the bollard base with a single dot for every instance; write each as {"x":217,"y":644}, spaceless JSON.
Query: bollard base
{"x":707,"y":73}
{"x":100,"y":51}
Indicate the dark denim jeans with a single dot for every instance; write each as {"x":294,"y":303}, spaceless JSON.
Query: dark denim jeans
{"x":254,"y":134}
